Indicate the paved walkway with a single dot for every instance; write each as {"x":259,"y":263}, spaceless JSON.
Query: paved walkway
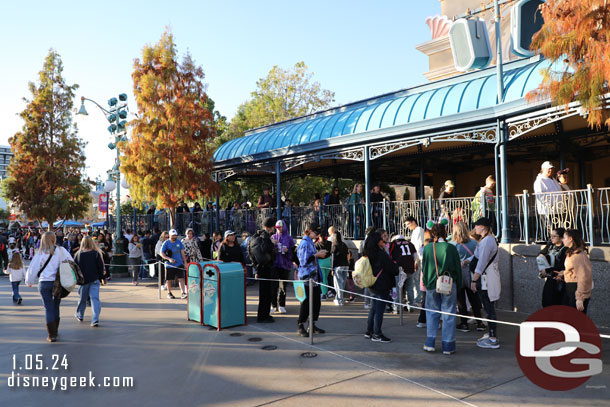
{"x":175,"y":362}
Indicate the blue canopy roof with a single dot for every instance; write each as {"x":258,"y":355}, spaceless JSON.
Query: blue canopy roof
{"x":452,"y":96}
{"x":68,"y":224}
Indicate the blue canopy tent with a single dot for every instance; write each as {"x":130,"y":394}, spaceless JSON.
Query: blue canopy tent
{"x":99,"y":224}
{"x":68,"y":224}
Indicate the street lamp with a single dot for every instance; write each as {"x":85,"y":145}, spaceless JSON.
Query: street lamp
{"x":116,"y":116}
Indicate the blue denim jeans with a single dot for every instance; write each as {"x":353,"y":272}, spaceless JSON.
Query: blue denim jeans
{"x":445,"y":303}
{"x":51,"y":304}
{"x":85,"y":291}
{"x":376,"y":313}
{"x":367,"y":300}
{"x":339,"y":280}
{"x":15,"y":285}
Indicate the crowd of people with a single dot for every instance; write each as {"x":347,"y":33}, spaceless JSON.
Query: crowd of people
{"x":408,"y":270}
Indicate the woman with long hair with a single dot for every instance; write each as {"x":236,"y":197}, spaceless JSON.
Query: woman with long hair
{"x":551,"y":262}
{"x":386,"y":270}
{"x":340,"y":265}
{"x":16,"y":274}
{"x":90,"y":259}
{"x":191,"y":247}
{"x":229,"y":249}
{"x":43,"y":270}
{"x":466,"y":246}
{"x":578,"y":272}
{"x":440,"y":258}
{"x":356,"y":209}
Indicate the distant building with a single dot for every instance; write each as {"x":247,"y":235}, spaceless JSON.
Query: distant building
{"x":5,"y":159}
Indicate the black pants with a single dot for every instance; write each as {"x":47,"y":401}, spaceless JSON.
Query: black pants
{"x":490,"y":309}
{"x":553,"y":292}
{"x":569,"y":297}
{"x":422,"y":313}
{"x":278,"y":289}
{"x":475,"y":303}
{"x":304,"y":311}
{"x":264,"y":293}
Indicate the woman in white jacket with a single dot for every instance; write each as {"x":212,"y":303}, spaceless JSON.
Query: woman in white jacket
{"x":43,"y":270}
{"x":486,"y":279}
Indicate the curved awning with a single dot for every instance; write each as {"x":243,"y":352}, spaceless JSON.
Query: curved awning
{"x":454,"y":96}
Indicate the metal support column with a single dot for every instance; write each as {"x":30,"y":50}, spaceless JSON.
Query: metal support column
{"x":422,"y":187}
{"x":367,"y":186}
{"x":504,"y":183}
{"x":278,"y":173}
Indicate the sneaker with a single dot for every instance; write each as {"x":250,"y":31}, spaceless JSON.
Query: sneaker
{"x":184,"y":295}
{"x":19,"y":301}
{"x":368,"y":335}
{"x":95,"y":324}
{"x":337,"y":302}
{"x":380,"y":338}
{"x":273,"y":310}
{"x":301,"y":331}
{"x":170,"y":295}
{"x":463,"y":328}
{"x":429,"y":348}
{"x":481,"y":326}
{"x":482,"y":338}
{"x":282,"y":310}
{"x":323,"y":297}
{"x":135,"y":283}
{"x":367,"y":306}
{"x":163,"y":287}
{"x":317,"y":330}
{"x":330,"y":295}
{"x":421,"y":325}
{"x":489,"y":343}
{"x":471,"y":321}
{"x":79,"y":318}
{"x":448,"y":352}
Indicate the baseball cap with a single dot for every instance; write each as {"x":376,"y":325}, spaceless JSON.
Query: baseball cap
{"x":279,"y":224}
{"x":229,"y":233}
{"x":173,"y":232}
{"x":398,"y":237}
{"x":483,"y":222}
{"x":449,"y":183}
{"x":11,"y":240}
{"x":547,"y":165}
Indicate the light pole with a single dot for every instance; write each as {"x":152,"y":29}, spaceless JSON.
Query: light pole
{"x":116,"y":115}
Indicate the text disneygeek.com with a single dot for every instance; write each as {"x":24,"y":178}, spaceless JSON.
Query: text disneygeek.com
{"x":25,"y":369}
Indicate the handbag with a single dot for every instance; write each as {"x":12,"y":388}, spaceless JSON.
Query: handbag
{"x":444,"y":282}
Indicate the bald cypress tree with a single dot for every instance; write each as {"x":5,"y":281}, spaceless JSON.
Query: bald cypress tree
{"x":46,"y":179}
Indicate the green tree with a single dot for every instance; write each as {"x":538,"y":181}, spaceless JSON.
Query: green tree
{"x":169,"y":156}
{"x":576,"y":38}
{"x":46,"y":174}
{"x":282,"y":95}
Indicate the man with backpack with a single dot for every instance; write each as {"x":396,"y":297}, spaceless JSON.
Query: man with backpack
{"x":261,"y":251}
{"x":404,"y":254}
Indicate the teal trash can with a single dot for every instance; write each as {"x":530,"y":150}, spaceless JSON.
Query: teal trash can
{"x":194,"y":303}
{"x":223,"y":294}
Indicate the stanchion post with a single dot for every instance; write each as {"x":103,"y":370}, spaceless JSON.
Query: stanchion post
{"x":526,"y":217}
{"x":159,"y":275}
{"x":311,"y":311}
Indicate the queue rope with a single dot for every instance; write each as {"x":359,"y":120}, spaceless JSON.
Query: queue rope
{"x":405,"y":305}
{"x":399,"y":304}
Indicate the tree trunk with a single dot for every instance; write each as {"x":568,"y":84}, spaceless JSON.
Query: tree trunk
{"x":172,"y":218}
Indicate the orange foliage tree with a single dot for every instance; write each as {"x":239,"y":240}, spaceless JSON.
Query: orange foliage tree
{"x":169,"y":156}
{"x":576,"y":37}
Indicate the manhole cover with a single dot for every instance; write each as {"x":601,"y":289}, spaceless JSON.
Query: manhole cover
{"x":255,"y":339}
{"x":309,"y":355}
{"x":236,"y":334}
{"x":269,"y":347}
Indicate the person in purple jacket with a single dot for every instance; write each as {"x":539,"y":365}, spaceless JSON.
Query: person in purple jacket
{"x":284,"y":246}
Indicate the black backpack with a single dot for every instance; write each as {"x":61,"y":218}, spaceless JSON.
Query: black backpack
{"x":261,"y":249}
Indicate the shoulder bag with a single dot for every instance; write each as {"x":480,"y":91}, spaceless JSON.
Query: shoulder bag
{"x":444,"y":282}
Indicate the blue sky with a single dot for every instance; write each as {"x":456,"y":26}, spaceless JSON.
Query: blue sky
{"x":356,"y":48}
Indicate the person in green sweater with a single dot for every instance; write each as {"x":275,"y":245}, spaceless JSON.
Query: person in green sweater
{"x":440,"y":257}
